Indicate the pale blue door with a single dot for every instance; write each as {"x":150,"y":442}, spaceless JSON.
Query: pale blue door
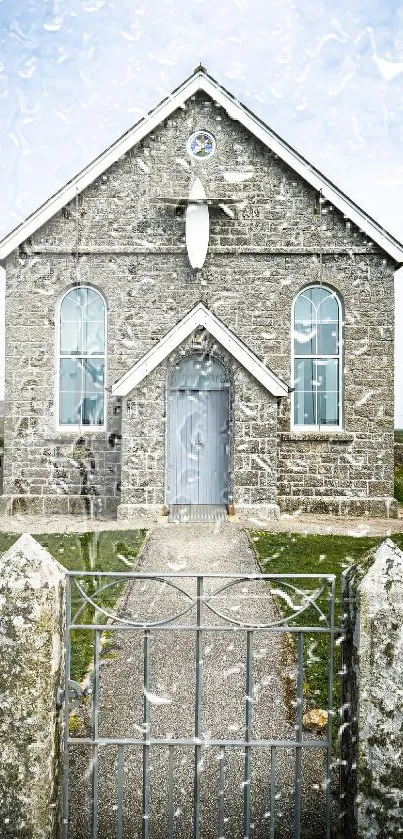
{"x":198,"y":433}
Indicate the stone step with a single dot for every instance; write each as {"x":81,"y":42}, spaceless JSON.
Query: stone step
{"x":197,"y":512}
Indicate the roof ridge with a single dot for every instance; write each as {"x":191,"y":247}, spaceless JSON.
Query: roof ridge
{"x":201,"y":80}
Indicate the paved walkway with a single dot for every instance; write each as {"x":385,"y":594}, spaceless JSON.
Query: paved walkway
{"x":301,"y":523}
{"x":210,"y":549}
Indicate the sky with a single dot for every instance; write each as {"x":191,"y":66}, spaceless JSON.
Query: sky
{"x":327,"y":76}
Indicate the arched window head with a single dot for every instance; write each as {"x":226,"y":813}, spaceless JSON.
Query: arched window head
{"x":82,"y":358}
{"x":317,"y":358}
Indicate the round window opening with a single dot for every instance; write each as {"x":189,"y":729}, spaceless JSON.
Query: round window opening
{"x":201,"y":144}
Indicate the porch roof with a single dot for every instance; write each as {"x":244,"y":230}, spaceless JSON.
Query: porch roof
{"x":200,"y":316}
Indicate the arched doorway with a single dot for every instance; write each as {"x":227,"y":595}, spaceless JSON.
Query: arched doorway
{"x":198,"y":432}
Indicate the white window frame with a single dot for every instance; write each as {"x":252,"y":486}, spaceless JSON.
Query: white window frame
{"x":65,"y":428}
{"x":323,"y":429}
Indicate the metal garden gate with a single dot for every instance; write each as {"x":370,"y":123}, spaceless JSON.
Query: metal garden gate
{"x":212,"y":675}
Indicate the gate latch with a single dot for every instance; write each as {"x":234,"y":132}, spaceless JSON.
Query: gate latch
{"x":76,"y":695}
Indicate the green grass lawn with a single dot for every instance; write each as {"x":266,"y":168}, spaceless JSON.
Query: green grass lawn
{"x":287,"y":553}
{"x":114,"y":550}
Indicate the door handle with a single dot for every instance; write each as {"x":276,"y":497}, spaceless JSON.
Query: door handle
{"x":198,"y":443}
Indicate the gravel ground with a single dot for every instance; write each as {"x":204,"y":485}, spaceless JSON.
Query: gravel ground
{"x":211,"y":549}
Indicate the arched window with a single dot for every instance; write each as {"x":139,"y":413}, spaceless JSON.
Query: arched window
{"x":82,"y":358}
{"x":317,"y":358}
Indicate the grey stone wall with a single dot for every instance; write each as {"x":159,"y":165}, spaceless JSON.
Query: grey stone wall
{"x":255,"y":436}
{"x":131,"y":247}
{"x":143,"y":448}
{"x":355,"y":468}
{"x":373,"y":696}
{"x":32,"y":588}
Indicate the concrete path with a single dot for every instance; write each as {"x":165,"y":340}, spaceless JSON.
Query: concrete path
{"x":210,"y":549}
{"x":296,"y":523}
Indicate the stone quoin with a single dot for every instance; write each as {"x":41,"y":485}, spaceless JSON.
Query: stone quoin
{"x":279,"y":396}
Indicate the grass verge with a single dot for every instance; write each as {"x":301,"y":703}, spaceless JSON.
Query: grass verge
{"x":114,"y":550}
{"x":288,"y":553}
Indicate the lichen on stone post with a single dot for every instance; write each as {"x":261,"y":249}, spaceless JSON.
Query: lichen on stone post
{"x":373,"y":696}
{"x":32,"y":586}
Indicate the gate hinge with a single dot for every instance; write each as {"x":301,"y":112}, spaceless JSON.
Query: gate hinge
{"x":60,"y":698}
{"x":76,"y":695}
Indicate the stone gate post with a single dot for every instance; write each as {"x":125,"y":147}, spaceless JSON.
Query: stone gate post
{"x":373,"y":696}
{"x":32,"y":587}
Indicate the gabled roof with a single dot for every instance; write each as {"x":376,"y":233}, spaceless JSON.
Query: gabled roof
{"x":200,"y":316}
{"x":202,"y":81}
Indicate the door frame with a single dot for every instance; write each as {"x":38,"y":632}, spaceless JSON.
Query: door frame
{"x":226,"y":361}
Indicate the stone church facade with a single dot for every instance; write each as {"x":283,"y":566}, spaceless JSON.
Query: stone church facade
{"x":261,"y":378}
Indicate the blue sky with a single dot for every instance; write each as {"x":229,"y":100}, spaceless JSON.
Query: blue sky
{"x":74,"y":74}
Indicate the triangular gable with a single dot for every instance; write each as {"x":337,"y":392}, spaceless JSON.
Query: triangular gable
{"x":201,"y":81}
{"x":200,"y":316}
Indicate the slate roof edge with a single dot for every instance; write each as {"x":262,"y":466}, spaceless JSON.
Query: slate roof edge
{"x":201,"y":80}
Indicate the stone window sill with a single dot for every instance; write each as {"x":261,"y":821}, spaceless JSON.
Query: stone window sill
{"x":317,"y":437}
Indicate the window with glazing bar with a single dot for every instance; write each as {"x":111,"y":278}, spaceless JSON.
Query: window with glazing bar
{"x":317,"y":358}
{"x":82,"y":358}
